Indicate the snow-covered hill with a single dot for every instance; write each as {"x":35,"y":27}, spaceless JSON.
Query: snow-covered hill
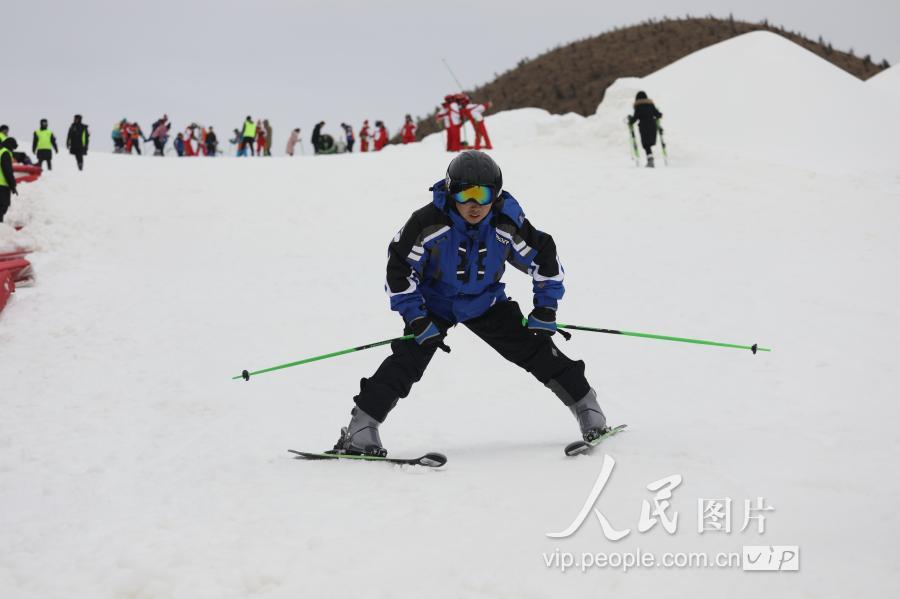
{"x":132,"y":466}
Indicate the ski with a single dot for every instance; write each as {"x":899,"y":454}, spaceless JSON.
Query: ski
{"x":634,"y":147}
{"x":580,"y":447}
{"x":429,"y":460}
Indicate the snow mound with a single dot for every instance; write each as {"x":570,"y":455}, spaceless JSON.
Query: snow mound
{"x":763,"y":96}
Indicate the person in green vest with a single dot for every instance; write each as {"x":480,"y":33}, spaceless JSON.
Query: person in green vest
{"x":43,"y":144}
{"x":77,"y":141}
{"x":4,"y":132}
{"x":7,"y":177}
{"x":248,"y":136}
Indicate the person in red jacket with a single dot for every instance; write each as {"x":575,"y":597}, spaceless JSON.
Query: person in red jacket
{"x":190,"y":137}
{"x":454,"y":123}
{"x":409,"y":130}
{"x":475,"y":113}
{"x":260,"y":138}
{"x":364,"y":137}
{"x":381,"y":135}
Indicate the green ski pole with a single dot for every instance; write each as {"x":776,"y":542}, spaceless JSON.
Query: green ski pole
{"x":246,"y":375}
{"x":753,"y":348}
{"x":634,"y":148}
{"x":662,"y":141}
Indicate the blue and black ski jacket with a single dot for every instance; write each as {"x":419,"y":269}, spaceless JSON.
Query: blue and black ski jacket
{"x":439,"y":263}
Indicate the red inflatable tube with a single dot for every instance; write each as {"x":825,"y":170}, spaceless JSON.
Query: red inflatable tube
{"x":7,"y":287}
{"x":31,"y":172}
{"x":19,"y":270}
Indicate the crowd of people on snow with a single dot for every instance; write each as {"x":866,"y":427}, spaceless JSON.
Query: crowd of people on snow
{"x":255,"y":137}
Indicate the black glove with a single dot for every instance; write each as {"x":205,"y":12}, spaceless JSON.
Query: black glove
{"x":427,"y":334}
{"x":542,"y":321}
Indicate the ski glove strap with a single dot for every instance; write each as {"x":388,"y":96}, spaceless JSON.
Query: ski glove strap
{"x":542,"y":321}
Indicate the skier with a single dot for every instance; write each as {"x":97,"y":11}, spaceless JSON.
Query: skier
{"x":408,"y":133}
{"x":645,"y":114}
{"x":260,"y":139}
{"x":118,"y":138}
{"x":454,"y":117}
{"x":381,"y":136}
{"x":248,"y":134}
{"x":77,"y":141}
{"x":187,"y":146}
{"x":316,"y":139}
{"x":293,"y":138}
{"x":160,"y":135}
{"x":348,"y":135}
{"x":43,"y":144}
{"x":212,"y":142}
{"x":7,"y":176}
{"x":179,"y":144}
{"x":444,"y":268}
{"x":268,"y":129}
{"x":475,"y":113}
{"x":364,"y":137}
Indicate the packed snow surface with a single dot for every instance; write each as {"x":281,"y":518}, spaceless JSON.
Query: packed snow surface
{"x":133,"y":466}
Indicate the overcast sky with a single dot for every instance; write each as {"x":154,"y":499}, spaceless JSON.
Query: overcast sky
{"x":301,"y":61}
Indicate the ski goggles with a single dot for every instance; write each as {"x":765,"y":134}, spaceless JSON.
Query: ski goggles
{"x":480,"y":194}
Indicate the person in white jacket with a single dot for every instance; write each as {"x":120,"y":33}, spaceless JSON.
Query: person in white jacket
{"x":292,"y":141}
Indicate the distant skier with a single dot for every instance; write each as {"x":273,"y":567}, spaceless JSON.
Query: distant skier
{"x":135,"y":135}
{"x":118,"y":137}
{"x":236,"y":140}
{"x":179,"y":144}
{"x":43,"y":145}
{"x":316,"y":139}
{"x":293,"y":138}
{"x":475,"y":113}
{"x":645,"y":114}
{"x":444,"y":268}
{"x":348,"y":135}
{"x":268,"y":129}
{"x":408,"y":133}
{"x":159,"y":135}
{"x":248,"y":135}
{"x":364,"y":137}
{"x":260,"y":139}
{"x":77,"y":141}
{"x":381,"y":135}
{"x":212,"y":142}
{"x":7,"y":176}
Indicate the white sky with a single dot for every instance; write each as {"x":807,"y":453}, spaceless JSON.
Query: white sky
{"x":298,"y":62}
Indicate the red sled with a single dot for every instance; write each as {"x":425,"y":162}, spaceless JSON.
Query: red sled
{"x":19,"y":271}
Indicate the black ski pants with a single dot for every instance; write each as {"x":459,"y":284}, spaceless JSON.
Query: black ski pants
{"x":79,"y":159}
{"x":501,"y":328}
{"x":5,"y":195}
{"x":45,"y":156}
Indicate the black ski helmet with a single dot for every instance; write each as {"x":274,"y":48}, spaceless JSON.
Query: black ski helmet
{"x":474,"y":168}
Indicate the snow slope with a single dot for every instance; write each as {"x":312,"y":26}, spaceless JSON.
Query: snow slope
{"x":132,"y":466}
{"x":887,"y":82}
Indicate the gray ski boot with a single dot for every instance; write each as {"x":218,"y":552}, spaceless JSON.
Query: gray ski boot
{"x":361,"y":435}
{"x":589,"y":415}
{"x":650,"y":161}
